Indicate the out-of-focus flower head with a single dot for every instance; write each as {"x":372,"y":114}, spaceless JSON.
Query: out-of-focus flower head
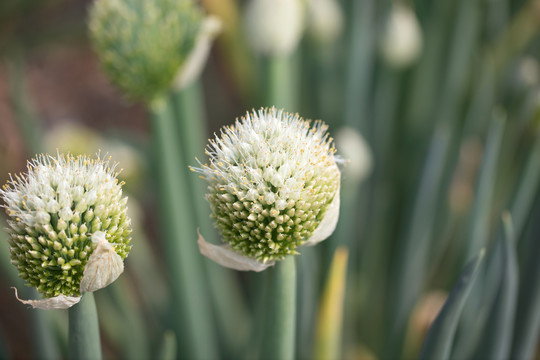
{"x":325,"y":20}
{"x":144,"y":46}
{"x":401,"y":43}
{"x":274,"y":27}
{"x":353,"y":148}
{"x":528,"y":71}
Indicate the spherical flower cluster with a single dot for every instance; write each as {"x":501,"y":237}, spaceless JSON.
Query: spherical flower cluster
{"x":67,"y":218}
{"x":274,"y":27}
{"x":273,"y":186}
{"x":142,"y":45}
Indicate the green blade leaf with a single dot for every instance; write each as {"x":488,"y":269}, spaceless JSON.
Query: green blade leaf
{"x":441,"y":334}
{"x":169,"y":346}
{"x":527,"y":322}
{"x":330,"y":318}
{"x":500,"y":326}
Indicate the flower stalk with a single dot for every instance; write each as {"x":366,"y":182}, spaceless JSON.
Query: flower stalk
{"x":278,"y":81}
{"x":231,"y":317}
{"x":191,"y":308}
{"x":279,"y":338}
{"x":84,"y":342}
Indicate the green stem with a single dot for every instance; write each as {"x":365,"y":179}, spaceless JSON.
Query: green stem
{"x":45,"y":339}
{"x":360,"y":64}
{"x":226,"y":296}
{"x":278,"y":82}
{"x":279,"y":339}
{"x":84,"y":340}
{"x":24,"y":115}
{"x":191,"y":315}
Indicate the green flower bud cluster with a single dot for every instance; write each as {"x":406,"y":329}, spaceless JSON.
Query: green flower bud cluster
{"x":142,"y":44}
{"x":53,"y":212}
{"x":271,"y":179}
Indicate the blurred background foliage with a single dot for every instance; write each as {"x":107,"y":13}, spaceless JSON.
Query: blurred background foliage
{"x":451,"y":124}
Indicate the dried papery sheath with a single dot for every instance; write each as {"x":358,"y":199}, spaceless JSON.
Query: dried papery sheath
{"x":66,"y":214}
{"x":225,"y":256}
{"x":57,"y":302}
{"x":273,"y":186}
{"x":103,"y":266}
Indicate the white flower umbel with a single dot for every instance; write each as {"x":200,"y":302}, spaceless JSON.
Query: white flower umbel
{"x":273,"y":186}
{"x":401,"y":43}
{"x":274,"y":27}
{"x":68,"y":226}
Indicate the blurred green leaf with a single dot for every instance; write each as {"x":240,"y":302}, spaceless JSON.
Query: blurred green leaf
{"x":232,"y":320}
{"x":475,"y":313}
{"x":169,"y":347}
{"x":441,"y":334}
{"x":360,"y":64}
{"x":526,"y":189}
{"x":527,"y":323}
{"x":500,"y":326}
{"x":191,"y":308}
{"x":22,"y":103}
{"x":330,"y":317}
{"x":480,"y":221}
{"x":412,"y":254}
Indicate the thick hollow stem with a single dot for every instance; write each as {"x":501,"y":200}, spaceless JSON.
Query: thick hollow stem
{"x":279,"y":339}
{"x":84,"y":340}
{"x":231,"y":318}
{"x":278,"y":82}
{"x":191,"y":310}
